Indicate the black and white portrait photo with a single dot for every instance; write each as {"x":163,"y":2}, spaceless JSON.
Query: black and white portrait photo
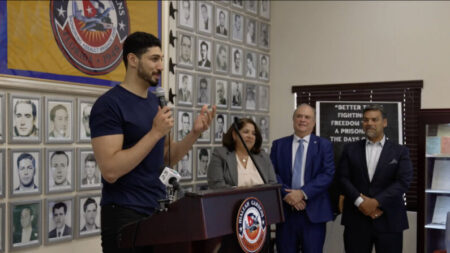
{"x":263,"y":98}
{"x":250,"y":97}
{"x":221,"y":93}
{"x":60,"y":172}
{"x":59,"y":120}
{"x":89,"y":176}
{"x":185,"y":122}
{"x":2,"y":117}
{"x":264,"y":9}
{"x":250,"y":64}
{"x":222,"y":22}
{"x":222,"y":62}
{"x":185,"y":166}
{"x":239,"y":4}
{"x":205,"y":136}
{"x":220,"y":126}
{"x":25,"y":171}
{"x":25,"y":224}
{"x":204,"y":54}
{"x":186,"y":14}
{"x":84,"y":112}
{"x":237,"y":95}
{"x":25,"y":119}
{"x":264,"y":64}
{"x":186,"y":50}
{"x":263,"y":124}
{"x":251,"y":6}
{"x":264,"y":35}
{"x":2,"y":173}
{"x":237,"y":55}
{"x":203,"y":90}
{"x":237,"y":27}
{"x":89,"y":215}
{"x":204,"y":17}
{"x":203,"y":157}
{"x":59,"y":225}
{"x":185,"y":92}
{"x":250,"y":32}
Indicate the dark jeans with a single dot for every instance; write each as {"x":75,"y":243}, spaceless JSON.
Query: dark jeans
{"x":113,"y":218}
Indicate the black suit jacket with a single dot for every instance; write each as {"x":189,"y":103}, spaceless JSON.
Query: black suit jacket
{"x":390,"y":181}
{"x":67,"y":231}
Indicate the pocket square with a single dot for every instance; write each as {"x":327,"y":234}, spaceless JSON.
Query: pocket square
{"x":394,"y":161}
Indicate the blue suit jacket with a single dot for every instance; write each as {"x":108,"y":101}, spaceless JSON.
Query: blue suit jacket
{"x":390,"y":181}
{"x":319,"y":171}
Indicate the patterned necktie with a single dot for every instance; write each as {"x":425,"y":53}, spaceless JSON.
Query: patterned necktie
{"x":297,"y":171}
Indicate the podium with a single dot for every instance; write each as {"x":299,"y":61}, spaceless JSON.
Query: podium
{"x":192,"y":222}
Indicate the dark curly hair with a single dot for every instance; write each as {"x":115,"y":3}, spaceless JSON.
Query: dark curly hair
{"x":229,"y":143}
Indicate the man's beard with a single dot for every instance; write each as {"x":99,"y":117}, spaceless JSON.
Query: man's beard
{"x":147,"y":77}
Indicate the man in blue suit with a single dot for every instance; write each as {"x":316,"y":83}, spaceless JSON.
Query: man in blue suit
{"x":374,"y":175}
{"x":304,"y":165}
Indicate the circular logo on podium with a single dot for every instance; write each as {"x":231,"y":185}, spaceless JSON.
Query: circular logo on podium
{"x":251,"y":225}
{"x":90,"y":34}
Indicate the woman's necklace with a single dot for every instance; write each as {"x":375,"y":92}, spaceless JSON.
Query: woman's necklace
{"x":243,"y":158}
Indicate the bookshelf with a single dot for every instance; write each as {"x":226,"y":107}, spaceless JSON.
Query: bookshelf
{"x":434,"y":179}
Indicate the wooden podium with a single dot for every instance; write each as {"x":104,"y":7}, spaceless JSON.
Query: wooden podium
{"x":193,"y":221}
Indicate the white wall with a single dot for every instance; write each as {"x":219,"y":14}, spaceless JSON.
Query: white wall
{"x":318,"y":42}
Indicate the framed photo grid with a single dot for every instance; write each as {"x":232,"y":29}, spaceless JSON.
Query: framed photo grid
{"x":226,"y":62}
{"x":25,"y":118}
{"x":84,"y":106}
{"x":59,"y":115}
{"x":60,"y":170}
{"x":89,"y":177}
{"x":59,"y":220}
{"x":25,"y":216}
{"x":88,"y":215}
{"x":25,"y":172}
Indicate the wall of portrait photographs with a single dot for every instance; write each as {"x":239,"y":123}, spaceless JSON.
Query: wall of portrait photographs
{"x":222,"y":54}
{"x":49,"y":178}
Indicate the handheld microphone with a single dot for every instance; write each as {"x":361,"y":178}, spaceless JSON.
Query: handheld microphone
{"x":170,"y":178}
{"x":161,"y":93}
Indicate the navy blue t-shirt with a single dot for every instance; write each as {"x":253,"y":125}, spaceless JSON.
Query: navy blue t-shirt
{"x":119,"y":111}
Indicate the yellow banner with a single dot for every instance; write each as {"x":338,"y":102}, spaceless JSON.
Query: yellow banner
{"x":75,"y":38}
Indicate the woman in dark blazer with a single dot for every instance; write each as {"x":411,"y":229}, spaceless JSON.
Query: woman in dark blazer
{"x":231,"y":166}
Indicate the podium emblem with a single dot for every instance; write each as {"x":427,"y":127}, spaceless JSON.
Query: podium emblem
{"x":251,"y":225}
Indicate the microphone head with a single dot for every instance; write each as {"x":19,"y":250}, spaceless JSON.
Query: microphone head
{"x":160,"y":92}
{"x":236,"y":120}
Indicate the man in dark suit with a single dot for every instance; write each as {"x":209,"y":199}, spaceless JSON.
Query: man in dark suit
{"x":304,"y":165}
{"x":61,"y":229}
{"x":204,"y":61}
{"x":25,"y":232}
{"x":374,"y":175}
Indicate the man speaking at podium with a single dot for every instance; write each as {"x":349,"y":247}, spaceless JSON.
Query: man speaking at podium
{"x":304,"y":165}
{"x":128,"y":130}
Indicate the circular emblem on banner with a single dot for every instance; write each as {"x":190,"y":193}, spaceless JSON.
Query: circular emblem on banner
{"x":90,"y":33}
{"x":251,"y":225}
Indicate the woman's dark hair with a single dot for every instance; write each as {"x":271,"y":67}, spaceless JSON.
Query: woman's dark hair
{"x":229,"y":143}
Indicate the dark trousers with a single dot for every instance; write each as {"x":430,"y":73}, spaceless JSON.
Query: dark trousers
{"x":113,"y":218}
{"x":297,"y":232}
{"x":362,"y":241}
